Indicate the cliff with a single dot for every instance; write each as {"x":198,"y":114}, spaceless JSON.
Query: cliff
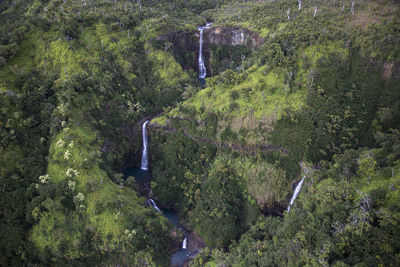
{"x":185,"y":46}
{"x":232,"y":36}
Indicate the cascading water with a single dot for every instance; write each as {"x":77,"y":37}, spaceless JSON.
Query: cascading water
{"x":202,"y":67}
{"x":296,"y":192}
{"x":153,"y":204}
{"x":145,"y":162}
{"x":142,"y":177}
{"x":184,"y":243}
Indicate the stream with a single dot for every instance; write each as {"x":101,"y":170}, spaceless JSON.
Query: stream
{"x":143,"y":174}
{"x":142,"y":179}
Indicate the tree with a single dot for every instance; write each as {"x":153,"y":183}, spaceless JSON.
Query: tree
{"x":215,"y":216}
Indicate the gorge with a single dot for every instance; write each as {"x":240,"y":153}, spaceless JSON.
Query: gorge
{"x":180,"y":256}
{"x":137,"y":133}
{"x":211,"y":48}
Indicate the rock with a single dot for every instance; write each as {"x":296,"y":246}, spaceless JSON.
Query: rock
{"x":185,"y":44}
{"x":232,"y":36}
{"x":176,"y":234}
{"x":195,"y":242}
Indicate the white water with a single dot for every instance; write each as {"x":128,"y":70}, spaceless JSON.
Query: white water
{"x":184,"y":243}
{"x":352,"y":8}
{"x":145,"y":162}
{"x":153,"y":204}
{"x":202,"y":67}
{"x":296,"y":192}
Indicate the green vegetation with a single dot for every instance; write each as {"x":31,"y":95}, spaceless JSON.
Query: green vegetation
{"x":217,"y":211}
{"x":347,"y":214}
{"x":321,"y":92}
{"x":73,"y":83}
{"x":76,"y":77}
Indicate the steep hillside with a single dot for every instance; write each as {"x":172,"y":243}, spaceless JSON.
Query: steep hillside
{"x":322,"y":88}
{"x":75,"y":77}
{"x":291,"y":91}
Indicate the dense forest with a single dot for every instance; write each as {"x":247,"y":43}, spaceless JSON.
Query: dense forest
{"x":301,"y":95}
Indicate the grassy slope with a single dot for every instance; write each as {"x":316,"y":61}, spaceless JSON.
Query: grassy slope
{"x":118,"y":204}
{"x":364,"y":26}
{"x":106,"y":208}
{"x":249,"y":102}
{"x":264,"y":93}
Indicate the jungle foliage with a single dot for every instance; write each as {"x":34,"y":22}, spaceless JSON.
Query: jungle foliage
{"x":76,"y":77}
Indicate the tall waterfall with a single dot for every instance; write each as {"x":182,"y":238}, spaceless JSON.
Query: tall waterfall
{"x":184,"y":243}
{"x":153,"y":204}
{"x":202,"y":67}
{"x":145,"y":161}
{"x":296,"y":192}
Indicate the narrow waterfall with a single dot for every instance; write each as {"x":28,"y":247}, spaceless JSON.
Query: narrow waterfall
{"x":202,"y":67}
{"x":145,"y":162}
{"x":296,"y":192}
{"x":153,"y":204}
{"x":143,"y":179}
{"x":184,"y":243}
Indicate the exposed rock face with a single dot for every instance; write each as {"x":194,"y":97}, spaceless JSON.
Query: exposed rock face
{"x":195,"y":246}
{"x":220,"y":39}
{"x":232,"y":36}
{"x":185,"y":44}
{"x":176,"y":240}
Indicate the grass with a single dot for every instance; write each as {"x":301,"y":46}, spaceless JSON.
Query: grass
{"x":262,"y":97}
{"x":168,"y":69}
{"x":68,"y":59}
{"x":265,"y":183}
{"x":162,"y":121}
{"x":54,"y":223}
{"x":108,"y":207}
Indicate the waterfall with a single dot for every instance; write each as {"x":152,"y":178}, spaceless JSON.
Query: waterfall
{"x":352,"y":8}
{"x":153,"y":204}
{"x":202,"y":67}
{"x":184,"y":243}
{"x":145,"y":161}
{"x":296,"y":192}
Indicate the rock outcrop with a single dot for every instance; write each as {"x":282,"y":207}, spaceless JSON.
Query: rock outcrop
{"x":185,"y":44}
{"x":232,"y":36}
